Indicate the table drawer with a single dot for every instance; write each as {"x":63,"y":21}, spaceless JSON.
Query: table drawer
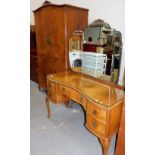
{"x":74,"y":95}
{"x":96,"y":111}
{"x":95,"y":126}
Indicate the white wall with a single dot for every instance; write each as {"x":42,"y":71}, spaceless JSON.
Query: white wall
{"x":111,"y":11}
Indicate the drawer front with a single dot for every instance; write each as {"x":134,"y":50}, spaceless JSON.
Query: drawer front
{"x":96,"y":111}
{"x":52,"y":90}
{"x":74,"y":95}
{"x":95,"y":126}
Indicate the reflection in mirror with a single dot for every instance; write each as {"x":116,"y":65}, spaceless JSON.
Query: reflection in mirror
{"x":96,"y":51}
{"x":75,"y":50}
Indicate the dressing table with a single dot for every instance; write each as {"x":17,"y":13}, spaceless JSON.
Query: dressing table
{"x":102,"y":102}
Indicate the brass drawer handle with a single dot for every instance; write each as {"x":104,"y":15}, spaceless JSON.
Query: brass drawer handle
{"x":94,"y":112}
{"x":50,"y":94}
{"x":94,"y":124}
{"x":51,"y":85}
{"x":63,"y":89}
{"x":81,"y":99}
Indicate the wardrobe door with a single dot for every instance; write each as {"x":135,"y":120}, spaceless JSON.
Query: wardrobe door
{"x":50,"y":41}
{"x":56,"y":32}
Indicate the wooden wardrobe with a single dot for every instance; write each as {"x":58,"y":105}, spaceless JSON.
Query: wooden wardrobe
{"x":54,"y":25}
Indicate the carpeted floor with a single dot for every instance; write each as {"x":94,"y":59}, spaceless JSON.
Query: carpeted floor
{"x":64,"y":133}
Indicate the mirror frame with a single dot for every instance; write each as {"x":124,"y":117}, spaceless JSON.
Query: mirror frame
{"x":113,"y":54}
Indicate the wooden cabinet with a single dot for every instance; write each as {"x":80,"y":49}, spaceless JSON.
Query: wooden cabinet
{"x":90,"y":47}
{"x":54,"y":25}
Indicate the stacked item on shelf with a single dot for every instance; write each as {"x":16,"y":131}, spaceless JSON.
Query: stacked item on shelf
{"x":94,"y":64}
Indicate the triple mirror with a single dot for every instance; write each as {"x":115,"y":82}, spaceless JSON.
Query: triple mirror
{"x":97,"y":51}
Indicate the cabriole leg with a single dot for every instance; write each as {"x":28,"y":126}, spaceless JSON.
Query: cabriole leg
{"x":105,"y":145}
{"x":68,"y":104}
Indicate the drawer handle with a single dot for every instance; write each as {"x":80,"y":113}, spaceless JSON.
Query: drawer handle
{"x":81,"y":99}
{"x":63,"y":89}
{"x":94,"y":124}
{"x":94,"y":112}
{"x":50,"y":85}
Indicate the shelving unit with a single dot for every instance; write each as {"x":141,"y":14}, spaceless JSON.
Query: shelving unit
{"x":94,"y":63}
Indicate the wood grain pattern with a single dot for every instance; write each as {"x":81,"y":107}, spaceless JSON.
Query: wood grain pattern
{"x":100,"y":93}
{"x":74,"y":95}
{"x":96,"y":111}
{"x":54,"y":24}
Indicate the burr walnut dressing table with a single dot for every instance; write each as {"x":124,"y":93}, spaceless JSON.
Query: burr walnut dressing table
{"x":102,"y":102}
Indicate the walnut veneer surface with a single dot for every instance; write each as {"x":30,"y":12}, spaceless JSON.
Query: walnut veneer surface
{"x":54,"y":25}
{"x":102,"y":103}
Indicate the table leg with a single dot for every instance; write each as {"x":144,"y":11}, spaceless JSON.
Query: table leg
{"x":68,"y":104}
{"x":48,"y":107}
{"x":105,"y":145}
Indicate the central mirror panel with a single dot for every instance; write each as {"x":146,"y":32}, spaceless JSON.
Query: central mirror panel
{"x":96,"y":51}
